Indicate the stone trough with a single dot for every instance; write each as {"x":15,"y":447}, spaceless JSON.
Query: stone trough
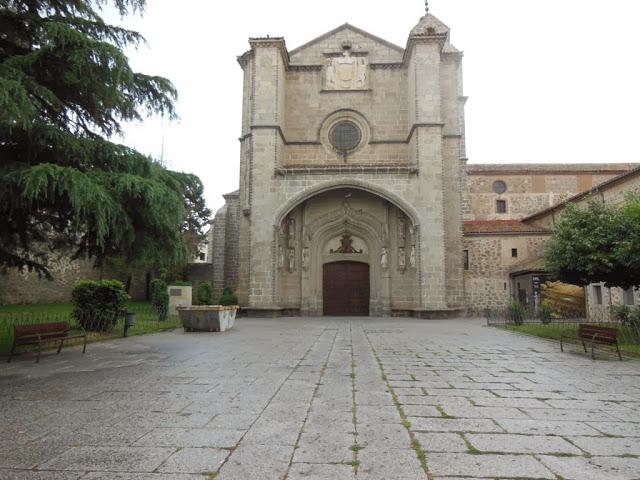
{"x":208,"y":318}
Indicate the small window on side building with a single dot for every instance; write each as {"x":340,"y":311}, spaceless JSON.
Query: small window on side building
{"x":501,"y":206}
{"x":597,"y":294}
{"x":514,"y":252}
{"x":466,"y":259}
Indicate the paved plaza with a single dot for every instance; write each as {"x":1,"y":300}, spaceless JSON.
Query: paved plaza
{"x":321,"y":399}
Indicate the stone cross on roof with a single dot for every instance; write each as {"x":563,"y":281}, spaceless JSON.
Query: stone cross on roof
{"x":426,"y":6}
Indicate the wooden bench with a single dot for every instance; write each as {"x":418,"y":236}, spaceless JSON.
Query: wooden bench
{"x":594,"y":334}
{"x":45,"y":333}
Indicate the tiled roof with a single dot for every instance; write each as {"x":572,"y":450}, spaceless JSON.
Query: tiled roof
{"x":477,"y":227}
{"x":548,"y":168}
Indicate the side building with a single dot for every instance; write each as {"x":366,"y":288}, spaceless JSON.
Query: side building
{"x":502,"y":248}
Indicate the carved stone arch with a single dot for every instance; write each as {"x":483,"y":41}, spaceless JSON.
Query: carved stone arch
{"x":344,"y":214}
{"x":356,"y":184}
{"x":312,"y":294}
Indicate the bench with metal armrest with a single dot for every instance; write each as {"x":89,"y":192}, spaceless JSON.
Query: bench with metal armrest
{"x":45,"y":333}
{"x":594,"y":334}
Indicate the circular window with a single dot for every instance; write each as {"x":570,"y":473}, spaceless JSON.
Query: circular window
{"x":499,"y":187}
{"x":345,"y":136}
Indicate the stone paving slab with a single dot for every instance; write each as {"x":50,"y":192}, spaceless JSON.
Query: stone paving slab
{"x":522,"y":444}
{"x":492,"y":466}
{"x":321,"y":399}
{"x":194,"y":460}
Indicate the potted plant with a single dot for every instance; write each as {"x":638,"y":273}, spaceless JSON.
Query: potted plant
{"x":210,"y":318}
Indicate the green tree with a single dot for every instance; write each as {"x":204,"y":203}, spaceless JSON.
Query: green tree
{"x":66,"y":87}
{"x":599,"y":243}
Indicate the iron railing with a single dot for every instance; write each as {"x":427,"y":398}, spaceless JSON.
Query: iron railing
{"x":147,"y":320}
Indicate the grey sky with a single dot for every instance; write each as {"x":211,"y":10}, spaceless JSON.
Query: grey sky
{"x":548,"y":80}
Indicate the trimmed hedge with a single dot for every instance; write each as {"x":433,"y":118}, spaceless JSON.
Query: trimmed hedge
{"x":205,"y":294}
{"x":160,"y":298}
{"x":98,"y":303}
{"x":228,"y":297}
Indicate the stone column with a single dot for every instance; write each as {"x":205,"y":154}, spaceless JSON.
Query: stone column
{"x":267,"y":115}
{"x":425,"y":106}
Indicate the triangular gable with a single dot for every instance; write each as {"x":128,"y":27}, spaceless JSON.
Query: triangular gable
{"x":380,"y":50}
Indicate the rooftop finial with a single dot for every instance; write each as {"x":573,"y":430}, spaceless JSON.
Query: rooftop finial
{"x":426,"y":6}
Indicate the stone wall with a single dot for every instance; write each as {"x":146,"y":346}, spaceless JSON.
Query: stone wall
{"x":530,"y":188}
{"x":198,"y":273}
{"x":487,"y":282}
{"x":599,"y":312}
{"x":23,"y":287}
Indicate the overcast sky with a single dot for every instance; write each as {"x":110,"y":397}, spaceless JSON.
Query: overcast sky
{"x":548,"y":80}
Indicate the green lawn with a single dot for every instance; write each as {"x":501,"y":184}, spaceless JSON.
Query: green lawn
{"x":628,"y":341}
{"x":60,"y":308}
{"x":147,"y":320}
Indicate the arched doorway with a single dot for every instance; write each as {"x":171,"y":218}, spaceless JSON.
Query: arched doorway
{"x":345,"y":289}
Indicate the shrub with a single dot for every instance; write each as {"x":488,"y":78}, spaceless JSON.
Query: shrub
{"x":633,"y":321}
{"x":545,"y":313}
{"x":160,"y":298}
{"x":621,"y":313}
{"x":205,"y":294}
{"x":515,"y":312}
{"x":228,"y":297}
{"x":98,"y":304}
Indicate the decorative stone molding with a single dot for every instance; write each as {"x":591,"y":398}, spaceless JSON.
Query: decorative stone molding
{"x":305,"y":68}
{"x":358,"y":184}
{"x":344,"y":215}
{"x":341,"y":169}
{"x":387,"y":66}
{"x":346,"y":246}
{"x":270,"y":42}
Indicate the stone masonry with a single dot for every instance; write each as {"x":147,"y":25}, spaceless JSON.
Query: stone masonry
{"x":396,"y":190}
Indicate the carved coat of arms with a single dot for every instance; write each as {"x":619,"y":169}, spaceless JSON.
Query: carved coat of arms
{"x":346,"y":72}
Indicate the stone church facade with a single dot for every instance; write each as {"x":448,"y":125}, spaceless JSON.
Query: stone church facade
{"x":355,"y":194}
{"x":352,"y":151}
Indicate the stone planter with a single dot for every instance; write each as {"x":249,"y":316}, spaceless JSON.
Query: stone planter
{"x":208,"y":318}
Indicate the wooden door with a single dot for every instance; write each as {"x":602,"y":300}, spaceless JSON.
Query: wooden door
{"x":346,"y":289}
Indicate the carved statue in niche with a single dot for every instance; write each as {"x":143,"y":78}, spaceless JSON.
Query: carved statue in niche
{"x":346,"y":72}
{"x":346,"y":245}
{"x":402,"y":235}
{"x":384,"y":258}
{"x":412,"y":243}
{"x":402,"y":259}
{"x":306,"y":258}
{"x":291,"y":231}
{"x":292,"y":259}
{"x":280,"y":257}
